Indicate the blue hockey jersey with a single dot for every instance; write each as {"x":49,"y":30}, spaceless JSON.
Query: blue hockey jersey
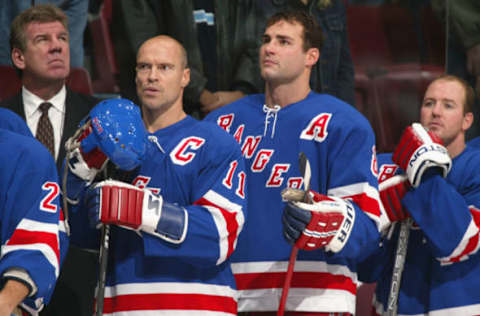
{"x":199,"y":167}
{"x":442,"y":268}
{"x":475,"y":142}
{"x":29,"y":215}
{"x":339,"y":144}
{"x":9,"y":120}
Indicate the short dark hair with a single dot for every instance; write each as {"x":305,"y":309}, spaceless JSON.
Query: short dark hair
{"x":42,"y":13}
{"x":312,"y":32}
{"x":469,"y":92}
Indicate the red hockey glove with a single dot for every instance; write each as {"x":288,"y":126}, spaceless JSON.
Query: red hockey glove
{"x":327,"y":222}
{"x":418,"y":151}
{"x":118,"y":203}
{"x":392,"y":191}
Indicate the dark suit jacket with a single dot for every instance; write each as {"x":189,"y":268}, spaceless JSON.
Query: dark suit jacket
{"x":77,"y":106}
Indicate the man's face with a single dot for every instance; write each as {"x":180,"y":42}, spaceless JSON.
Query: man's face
{"x":442,"y":110}
{"x":282,"y":58}
{"x":161,"y":75}
{"x":47,"y":52}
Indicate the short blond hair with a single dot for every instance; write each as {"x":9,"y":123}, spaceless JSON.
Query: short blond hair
{"x":469,"y":92}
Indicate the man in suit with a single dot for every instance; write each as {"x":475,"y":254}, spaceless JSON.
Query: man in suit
{"x":40,"y":51}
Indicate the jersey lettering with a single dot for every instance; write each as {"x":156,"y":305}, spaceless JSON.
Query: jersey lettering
{"x":295,"y":182}
{"x":239,"y":133}
{"x":141,"y":182}
{"x":225,"y":121}
{"x":250,"y":145}
{"x":387,"y":171}
{"x":227,"y":181}
{"x":184,"y":152}
{"x":262,"y":158}
{"x":241,"y":185}
{"x":317,"y":128}
{"x":46,"y":204}
{"x":276,"y":178}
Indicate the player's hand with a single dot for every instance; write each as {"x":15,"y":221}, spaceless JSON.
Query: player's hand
{"x":113,"y":130}
{"x":227,"y":97}
{"x":12,"y":294}
{"x":325,"y":223}
{"x":219,"y":99}
{"x":122,"y":204}
{"x":418,"y":151}
{"x":392,"y":191}
{"x":208,"y":101}
{"x":85,"y":164}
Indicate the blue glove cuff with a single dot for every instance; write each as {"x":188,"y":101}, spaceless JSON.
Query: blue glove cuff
{"x":173,"y":223}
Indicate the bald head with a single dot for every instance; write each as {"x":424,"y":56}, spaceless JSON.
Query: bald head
{"x":161,"y":78}
{"x":169,"y":43}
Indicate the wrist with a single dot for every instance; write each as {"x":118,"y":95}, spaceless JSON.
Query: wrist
{"x":432,"y":173}
{"x":12,"y":294}
{"x":162,"y":219}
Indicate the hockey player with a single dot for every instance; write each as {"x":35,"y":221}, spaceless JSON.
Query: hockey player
{"x":442,"y":196}
{"x":29,"y":218}
{"x":177,"y":223}
{"x":273,"y":128}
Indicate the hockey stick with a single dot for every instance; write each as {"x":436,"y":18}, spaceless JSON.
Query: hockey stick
{"x":102,"y":272}
{"x":104,"y":243}
{"x":111,"y":172}
{"x":399,"y":264}
{"x":306,"y":172}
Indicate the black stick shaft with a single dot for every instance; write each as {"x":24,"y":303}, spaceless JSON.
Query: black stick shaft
{"x":399,"y":264}
{"x":102,"y":273}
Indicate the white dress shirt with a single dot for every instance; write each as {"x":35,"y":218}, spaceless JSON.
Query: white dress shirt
{"x":56,"y":113}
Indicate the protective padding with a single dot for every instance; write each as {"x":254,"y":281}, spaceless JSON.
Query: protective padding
{"x":119,"y":132}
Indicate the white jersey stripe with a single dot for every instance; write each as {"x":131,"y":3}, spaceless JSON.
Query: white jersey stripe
{"x":222,"y":232}
{"x":45,"y":249}
{"x":220,"y":221}
{"x":169,"y":288}
{"x":300,"y":266}
{"x":369,"y":191}
{"x":301,"y":299}
{"x":471,"y":231}
{"x":169,"y":313}
{"x":32,"y":225}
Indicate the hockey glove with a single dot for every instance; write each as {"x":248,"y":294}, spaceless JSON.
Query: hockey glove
{"x":122,"y":204}
{"x":392,"y":191}
{"x":85,"y":165}
{"x":113,"y":130}
{"x":327,"y":222}
{"x":418,"y":151}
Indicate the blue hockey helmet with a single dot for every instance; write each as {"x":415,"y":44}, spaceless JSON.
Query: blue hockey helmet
{"x":119,"y":132}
